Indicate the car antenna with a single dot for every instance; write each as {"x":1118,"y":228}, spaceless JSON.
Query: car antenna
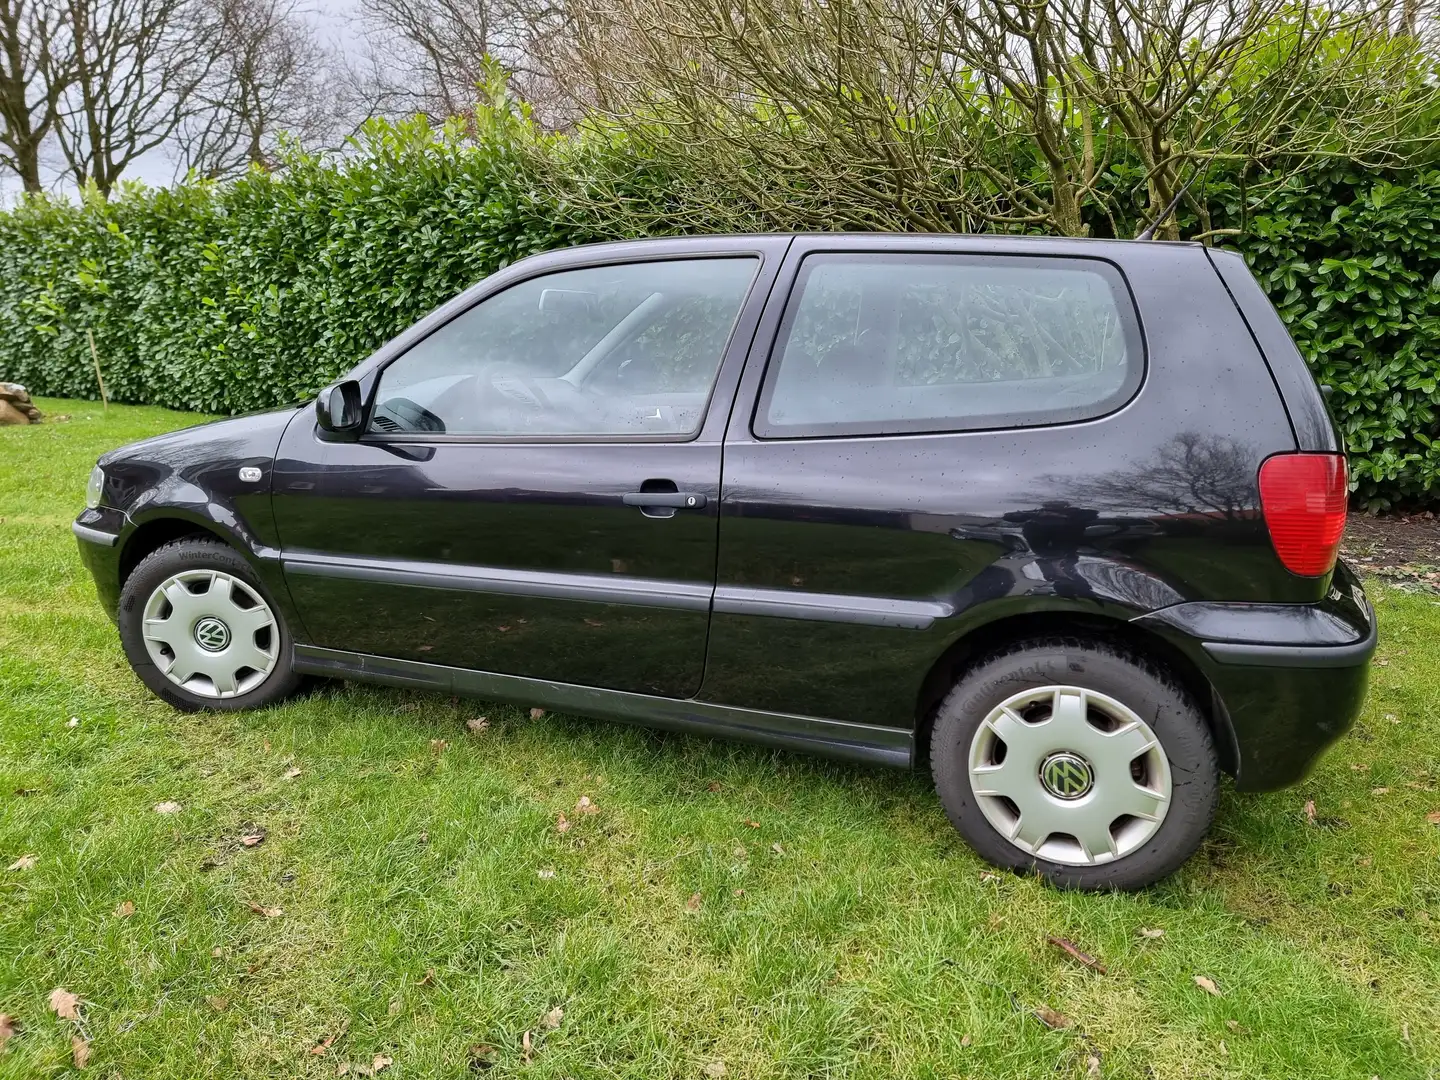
{"x":1148,"y":233}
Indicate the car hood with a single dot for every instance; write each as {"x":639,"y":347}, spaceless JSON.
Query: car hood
{"x":196,"y":463}
{"x":244,"y":435}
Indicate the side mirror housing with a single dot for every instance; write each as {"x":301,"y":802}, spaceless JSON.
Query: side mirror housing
{"x":338,"y":409}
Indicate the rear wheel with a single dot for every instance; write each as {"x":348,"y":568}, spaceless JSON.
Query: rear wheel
{"x":1077,"y":760}
{"x":201,"y":632}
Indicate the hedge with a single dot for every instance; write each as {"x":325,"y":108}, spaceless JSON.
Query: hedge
{"x":230,"y":298}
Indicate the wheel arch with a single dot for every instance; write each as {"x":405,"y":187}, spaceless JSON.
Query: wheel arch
{"x":988,"y":637}
{"x":154,"y":533}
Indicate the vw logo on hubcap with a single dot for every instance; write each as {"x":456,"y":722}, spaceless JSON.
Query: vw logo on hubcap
{"x":1066,"y":776}
{"x":212,"y":634}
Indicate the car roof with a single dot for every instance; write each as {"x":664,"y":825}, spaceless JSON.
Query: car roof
{"x":879,"y":240}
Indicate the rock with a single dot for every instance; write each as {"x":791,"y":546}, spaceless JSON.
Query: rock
{"x":9,"y":414}
{"x":14,"y":392}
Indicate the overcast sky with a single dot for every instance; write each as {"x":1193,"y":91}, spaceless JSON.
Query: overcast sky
{"x":338,"y":28}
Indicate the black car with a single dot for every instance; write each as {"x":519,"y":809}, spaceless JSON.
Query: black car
{"x":1056,"y":518}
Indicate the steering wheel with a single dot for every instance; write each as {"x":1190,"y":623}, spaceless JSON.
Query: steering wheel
{"x":556,"y":399}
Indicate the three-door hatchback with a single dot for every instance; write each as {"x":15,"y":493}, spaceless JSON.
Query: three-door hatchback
{"x":1057,"y":519}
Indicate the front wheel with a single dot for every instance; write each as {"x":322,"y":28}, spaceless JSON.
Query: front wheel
{"x":1078,"y":760}
{"x":200,"y":631}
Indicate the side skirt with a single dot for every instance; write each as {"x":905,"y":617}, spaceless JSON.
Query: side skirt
{"x":831,"y":738}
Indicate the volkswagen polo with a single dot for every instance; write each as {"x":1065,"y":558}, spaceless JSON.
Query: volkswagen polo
{"x":1055,"y":519}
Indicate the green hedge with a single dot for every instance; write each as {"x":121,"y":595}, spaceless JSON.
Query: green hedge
{"x":230,"y":298}
{"x":253,"y":294}
{"x":1352,"y":261}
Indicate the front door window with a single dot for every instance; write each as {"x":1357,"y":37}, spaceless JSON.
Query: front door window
{"x":620,"y":350}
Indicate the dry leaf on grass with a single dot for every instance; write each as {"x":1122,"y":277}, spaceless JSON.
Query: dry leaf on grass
{"x":24,"y":862}
{"x":428,"y":979}
{"x":752,"y":824}
{"x":1092,"y":1066}
{"x":268,"y":912}
{"x":545,"y":873}
{"x":124,"y":909}
{"x":1433,"y":818}
{"x":1068,"y":947}
{"x":395,"y":1007}
{"x":477,"y":724}
{"x":167,"y":808}
{"x":1310,"y":811}
{"x":526,"y":1047}
{"x":693,"y":904}
{"x":713,"y":785}
{"x":713,"y":1069}
{"x":585,"y":806}
{"x":964,"y":1041}
{"x":562,"y":823}
{"x":437,"y":746}
{"x":292,"y":772}
{"x":328,"y":1041}
{"x":64,"y":1004}
{"x":79,"y":1051}
{"x":219,"y":1004}
{"x":1208,"y":985}
{"x":251,"y":839}
{"x":1052,"y":1019}
{"x":73,"y":722}
{"x":535,"y":714}
{"x":1379,"y":791}
{"x":551,"y":1020}
{"x":1151,"y":932}
{"x":378,"y":1065}
{"x":7,"y":1030}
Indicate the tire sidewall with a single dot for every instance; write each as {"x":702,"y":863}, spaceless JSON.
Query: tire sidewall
{"x":175,"y":558}
{"x":1171,"y":714}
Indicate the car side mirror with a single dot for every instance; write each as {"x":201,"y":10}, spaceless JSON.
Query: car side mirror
{"x":338,"y":408}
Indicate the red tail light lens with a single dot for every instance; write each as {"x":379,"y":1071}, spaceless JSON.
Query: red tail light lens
{"x":1303,"y":497}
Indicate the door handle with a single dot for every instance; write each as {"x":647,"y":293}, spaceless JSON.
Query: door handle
{"x":678,"y":500}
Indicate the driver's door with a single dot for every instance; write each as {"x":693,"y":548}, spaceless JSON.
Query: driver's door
{"x":492,"y":517}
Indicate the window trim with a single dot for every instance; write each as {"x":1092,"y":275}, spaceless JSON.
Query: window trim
{"x":376,"y":374}
{"x":1127,"y":309}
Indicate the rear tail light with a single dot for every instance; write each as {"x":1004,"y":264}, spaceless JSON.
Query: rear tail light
{"x":1303,"y":497}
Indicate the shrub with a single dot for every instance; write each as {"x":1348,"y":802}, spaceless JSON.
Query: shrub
{"x":228,"y":298}
{"x":1352,"y":262}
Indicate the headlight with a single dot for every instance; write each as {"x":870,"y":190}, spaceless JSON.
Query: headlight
{"x":95,"y":487}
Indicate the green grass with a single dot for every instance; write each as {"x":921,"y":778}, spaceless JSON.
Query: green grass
{"x":867,"y":940}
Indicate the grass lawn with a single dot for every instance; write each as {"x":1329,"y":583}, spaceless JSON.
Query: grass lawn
{"x":728,"y":911}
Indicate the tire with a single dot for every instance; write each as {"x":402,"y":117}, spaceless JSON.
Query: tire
{"x":1074,"y":708}
{"x":244,"y":662}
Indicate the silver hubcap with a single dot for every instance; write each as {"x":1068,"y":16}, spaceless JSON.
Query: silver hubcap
{"x":1069,"y":775}
{"x":211,"y":633}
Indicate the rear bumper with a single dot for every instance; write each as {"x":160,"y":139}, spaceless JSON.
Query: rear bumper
{"x":1288,"y":679}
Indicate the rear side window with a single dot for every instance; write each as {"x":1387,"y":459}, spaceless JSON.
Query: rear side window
{"x":892,"y":344}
